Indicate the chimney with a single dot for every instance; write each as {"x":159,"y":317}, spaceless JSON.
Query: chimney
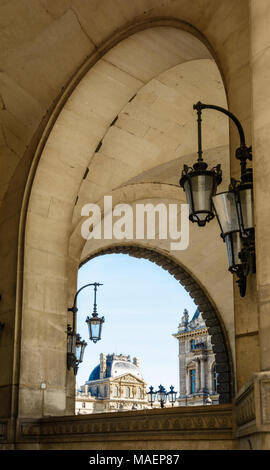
{"x":102,"y":366}
{"x":136,"y":361}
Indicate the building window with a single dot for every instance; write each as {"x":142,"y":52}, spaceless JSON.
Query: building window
{"x":115,"y":391}
{"x":214,"y":378}
{"x":105,"y":391}
{"x":192,"y":344}
{"x":93,"y":391}
{"x":127,"y":392}
{"x":192,"y":377}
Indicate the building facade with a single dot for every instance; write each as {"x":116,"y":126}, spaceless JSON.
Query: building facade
{"x":197,"y":365}
{"x":115,"y":384}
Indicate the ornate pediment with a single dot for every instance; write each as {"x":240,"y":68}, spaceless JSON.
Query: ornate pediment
{"x":128,"y":378}
{"x":191,"y":364}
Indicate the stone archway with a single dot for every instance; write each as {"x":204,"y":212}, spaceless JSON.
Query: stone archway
{"x":208,"y":310}
{"x":73,"y":144}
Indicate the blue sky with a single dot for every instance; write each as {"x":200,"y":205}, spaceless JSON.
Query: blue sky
{"x":142,"y":305}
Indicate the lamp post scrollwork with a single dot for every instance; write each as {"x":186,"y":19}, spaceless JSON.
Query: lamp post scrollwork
{"x":75,"y":345}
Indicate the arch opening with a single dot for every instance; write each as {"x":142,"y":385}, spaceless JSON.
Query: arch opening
{"x":221,"y":368}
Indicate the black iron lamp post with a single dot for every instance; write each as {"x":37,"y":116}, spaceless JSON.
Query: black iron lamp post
{"x":75,"y":345}
{"x":233,"y":208}
{"x":161,"y":395}
{"x":151,"y":396}
{"x":95,"y":322}
{"x":172,"y":395}
{"x":75,"y":349}
{"x":80,"y":347}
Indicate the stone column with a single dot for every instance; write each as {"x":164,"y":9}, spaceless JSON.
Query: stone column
{"x":253,"y":401}
{"x":260,"y":68}
{"x":202,"y":361}
{"x":187,"y":382}
{"x":197,"y":375}
{"x":208,"y":379}
{"x":239,"y":92}
{"x":183,"y":389}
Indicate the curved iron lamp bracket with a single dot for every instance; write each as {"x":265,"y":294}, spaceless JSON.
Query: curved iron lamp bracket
{"x":242,"y":153}
{"x":71,"y":359}
{"x":74,"y":308}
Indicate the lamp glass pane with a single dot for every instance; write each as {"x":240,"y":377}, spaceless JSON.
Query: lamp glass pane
{"x":188,"y":195}
{"x":226,"y":210}
{"x":202,"y":191}
{"x":94,"y":329}
{"x":246,"y":201}
{"x":161,"y":396}
{"x":78,"y":351}
{"x":82,"y":351}
{"x":71,"y":343}
{"x":233,"y":245}
{"x":151,"y":396}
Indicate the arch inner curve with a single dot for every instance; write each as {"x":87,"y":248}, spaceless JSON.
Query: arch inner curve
{"x":208,"y":310}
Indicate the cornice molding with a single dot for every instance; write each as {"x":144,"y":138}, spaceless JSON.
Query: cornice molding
{"x":211,"y":423}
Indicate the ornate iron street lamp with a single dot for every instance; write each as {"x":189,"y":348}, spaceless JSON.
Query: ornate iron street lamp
{"x":75,"y":345}
{"x":233,"y":208}
{"x":161,"y":395}
{"x":75,"y":349}
{"x":95,"y":322}
{"x":151,"y":396}
{"x":172,"y":395}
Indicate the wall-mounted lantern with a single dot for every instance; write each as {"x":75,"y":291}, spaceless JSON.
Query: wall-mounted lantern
{"x":95,"y":322}
{"x":75,"y":345}
{"x":233,"y":208}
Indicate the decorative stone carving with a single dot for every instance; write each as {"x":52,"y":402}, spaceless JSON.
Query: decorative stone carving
{"x":245,"y":407}
{"x":265,"y":394}
{"x":252,"y":406}
{"x":212,"y":422}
